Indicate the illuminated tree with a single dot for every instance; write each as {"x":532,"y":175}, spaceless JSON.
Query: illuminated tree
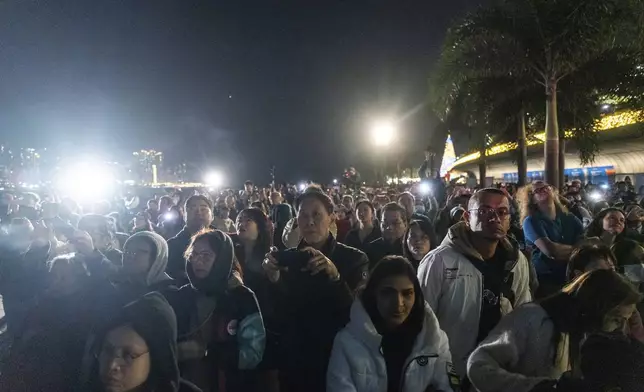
{"x":559,"y":47}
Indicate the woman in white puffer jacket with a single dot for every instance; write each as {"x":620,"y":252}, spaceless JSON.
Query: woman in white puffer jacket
{"x":393,"y":341}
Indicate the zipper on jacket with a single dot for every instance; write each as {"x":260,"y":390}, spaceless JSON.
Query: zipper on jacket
{"x":406,"y":367}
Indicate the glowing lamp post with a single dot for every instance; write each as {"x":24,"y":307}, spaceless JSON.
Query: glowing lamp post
{"x":383,"y":133}
{"x":214,"y":179}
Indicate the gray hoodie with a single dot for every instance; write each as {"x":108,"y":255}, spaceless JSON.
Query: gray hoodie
{"x":156,"y":273}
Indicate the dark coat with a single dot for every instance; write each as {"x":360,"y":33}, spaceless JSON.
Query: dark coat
{"x":315,"y":309}
{"x":48,"y":353}
{"x":233,"y":334}
{"x":177,"y":246}
{"x":353,"y":238}
{"x":154,"y":320}
{"x":381,"y":248}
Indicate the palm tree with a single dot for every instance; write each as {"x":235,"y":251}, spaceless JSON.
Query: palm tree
{"x":546,"y":42}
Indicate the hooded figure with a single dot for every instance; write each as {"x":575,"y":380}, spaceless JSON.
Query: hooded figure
{"x":138,"y":351}
{"x":221,"y":332}
{"x":469,"y":295}
{"x":145,"y":258}
{"x":371,"y":356}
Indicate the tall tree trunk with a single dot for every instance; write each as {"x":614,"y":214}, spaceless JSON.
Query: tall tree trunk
{"x":483,"y":164}
{"x":562,"y":161}
{"x":522,"y":150}
{"x":551,"y":147}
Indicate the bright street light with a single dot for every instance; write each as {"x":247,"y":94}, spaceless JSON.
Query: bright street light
{"x":383,"y":133}
{"x":86,"y":181}
{"x":214,"y":179}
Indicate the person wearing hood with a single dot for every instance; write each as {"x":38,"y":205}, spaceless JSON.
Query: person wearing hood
{"x":476,"y":275}
{"x":138,"y":351}
{"x":198,"y":217}
{"x":393,"y":225}
{"x":145,"y":258}
{"x":317,"y":296}
{"x":221,"y":331}
{"x":393,"y":341}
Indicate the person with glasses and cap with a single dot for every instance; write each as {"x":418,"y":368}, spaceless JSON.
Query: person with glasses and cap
{"x":476,"y":275}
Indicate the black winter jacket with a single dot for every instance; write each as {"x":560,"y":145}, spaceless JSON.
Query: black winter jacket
{"x":315,"y":309}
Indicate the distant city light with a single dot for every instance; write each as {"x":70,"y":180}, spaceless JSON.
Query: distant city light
{"x":214,"y":179}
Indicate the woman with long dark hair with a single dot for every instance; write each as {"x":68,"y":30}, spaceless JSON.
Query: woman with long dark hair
{"x":419,"y":239}
{"x":538,"y":342}
{"x":252,"y":241}
{"x":591,"y":255}
{"x":393,"y":341}
{"x":608,"y":225}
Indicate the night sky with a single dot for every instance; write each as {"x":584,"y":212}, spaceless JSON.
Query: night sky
{"x":235,"y":85}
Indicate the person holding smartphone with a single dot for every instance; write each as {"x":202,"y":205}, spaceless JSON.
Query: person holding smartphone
{"x":318,"y":291}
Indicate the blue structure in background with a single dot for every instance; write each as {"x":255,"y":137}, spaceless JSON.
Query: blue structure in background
{"x":595,"y":175}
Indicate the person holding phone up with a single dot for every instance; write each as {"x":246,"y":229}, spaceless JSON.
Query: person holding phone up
{"x":318,"y":280}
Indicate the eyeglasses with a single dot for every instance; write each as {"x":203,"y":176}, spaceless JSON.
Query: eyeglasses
{"x":124,"y":357}
{"x":543,"y":189}
{"x":485,"y":212}
{"x":135,"y":253}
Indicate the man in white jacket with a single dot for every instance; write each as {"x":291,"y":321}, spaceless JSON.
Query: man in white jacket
{"x":477,"y":275}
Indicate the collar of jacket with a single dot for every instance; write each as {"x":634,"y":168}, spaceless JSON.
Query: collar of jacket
{"x":458,"y":238}
{"x":362,"y":328}
{"x":327,"y":248}
{"x":185,"y":232}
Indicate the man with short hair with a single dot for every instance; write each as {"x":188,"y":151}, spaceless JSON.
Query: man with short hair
{"x":393,"y":225}
{"x":408,"y":201}
{"x":477,"y":275}
{"x":198,"y":217}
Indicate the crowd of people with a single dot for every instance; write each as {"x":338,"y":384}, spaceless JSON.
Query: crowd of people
{"x":430,"y":286}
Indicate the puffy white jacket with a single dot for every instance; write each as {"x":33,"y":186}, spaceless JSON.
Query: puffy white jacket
{"x":518,"y":353}
{"x":453,"y":287}
{"x":357,"y":365}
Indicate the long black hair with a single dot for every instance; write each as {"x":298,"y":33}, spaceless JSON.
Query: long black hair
{"x":264,"y":233}
{"x":596,"y":226}
{"x":427,"y":228}
{"x":387,"y":267}
{"x":590,"y":251}
{"x":581,"y":306}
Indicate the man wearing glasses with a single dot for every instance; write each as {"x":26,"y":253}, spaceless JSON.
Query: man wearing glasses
{"x":477,"y":275}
